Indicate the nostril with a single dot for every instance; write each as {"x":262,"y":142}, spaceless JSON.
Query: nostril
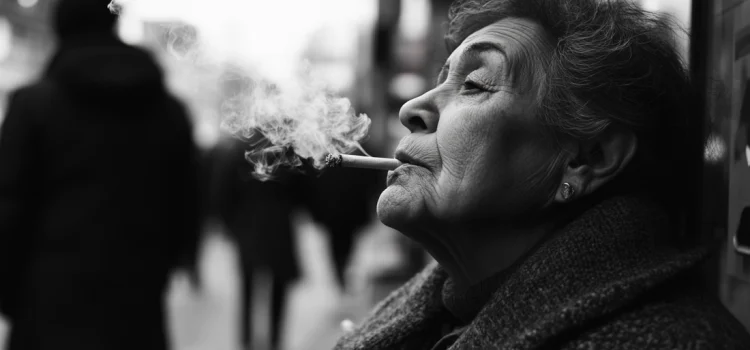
{"x":417,"y":123}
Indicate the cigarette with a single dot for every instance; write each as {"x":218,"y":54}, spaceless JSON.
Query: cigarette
{"x":350,"y":161}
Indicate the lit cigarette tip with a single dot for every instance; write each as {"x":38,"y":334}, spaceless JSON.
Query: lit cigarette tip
{"x":333,"y":161}
{"x":350,"y":161}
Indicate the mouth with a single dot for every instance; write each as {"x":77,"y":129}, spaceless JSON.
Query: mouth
{"x":408,"y":159}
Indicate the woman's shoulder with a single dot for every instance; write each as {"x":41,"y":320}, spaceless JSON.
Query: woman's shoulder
{"x":684,"y":320}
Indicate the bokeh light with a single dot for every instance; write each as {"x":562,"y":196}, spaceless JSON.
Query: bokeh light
{"x":27,"y":3}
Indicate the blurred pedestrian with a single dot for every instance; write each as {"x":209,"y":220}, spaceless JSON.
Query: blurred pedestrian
{"x":98,"y":193}
{"x":257,"y":216}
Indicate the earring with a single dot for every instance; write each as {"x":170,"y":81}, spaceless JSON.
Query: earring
{"x":567,"y":191}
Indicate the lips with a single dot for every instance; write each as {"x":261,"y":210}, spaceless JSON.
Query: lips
{"x":407,"y":158}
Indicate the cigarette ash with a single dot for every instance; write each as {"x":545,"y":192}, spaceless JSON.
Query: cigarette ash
{"x":334,"y":161}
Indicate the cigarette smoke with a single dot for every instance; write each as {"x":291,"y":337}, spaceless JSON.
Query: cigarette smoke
{"x":288,"y":117}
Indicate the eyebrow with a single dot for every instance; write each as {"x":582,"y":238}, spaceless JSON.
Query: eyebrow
{"x":474,"y":49}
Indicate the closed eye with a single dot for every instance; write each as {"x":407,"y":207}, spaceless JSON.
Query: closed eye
{"x":472,"y":87}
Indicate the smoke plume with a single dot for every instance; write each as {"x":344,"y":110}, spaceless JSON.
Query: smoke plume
{"x":269,"y":95}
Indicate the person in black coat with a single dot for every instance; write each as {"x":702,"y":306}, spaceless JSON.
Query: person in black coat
{"x":98,"y":193}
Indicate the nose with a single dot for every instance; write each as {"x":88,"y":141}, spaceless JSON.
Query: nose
{"x":420,"y":114}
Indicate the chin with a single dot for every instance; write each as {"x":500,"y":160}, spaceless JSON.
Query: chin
{"x":396,"y":208}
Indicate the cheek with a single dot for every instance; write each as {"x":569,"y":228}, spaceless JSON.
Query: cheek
{"x":463,"y":139}
{"x":470,"y":163}
{"x":491,"y":166}
{"x":523,"y":155}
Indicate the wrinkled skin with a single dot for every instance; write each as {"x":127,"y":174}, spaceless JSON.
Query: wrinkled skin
{"x":475,"y":145}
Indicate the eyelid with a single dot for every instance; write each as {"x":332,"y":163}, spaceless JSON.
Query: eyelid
{"x":477,"y":79}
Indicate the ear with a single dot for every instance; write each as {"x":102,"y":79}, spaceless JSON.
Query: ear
{"x":595,"y":162}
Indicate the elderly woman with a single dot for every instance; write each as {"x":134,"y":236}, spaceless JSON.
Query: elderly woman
{"x":541,"y":175}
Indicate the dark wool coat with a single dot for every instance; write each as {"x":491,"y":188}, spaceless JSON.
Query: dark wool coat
{"x":599,"y":283}
{"x":97,"y":200}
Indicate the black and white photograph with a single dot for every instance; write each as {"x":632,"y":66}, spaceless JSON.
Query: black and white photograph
{"x":374,"y":174}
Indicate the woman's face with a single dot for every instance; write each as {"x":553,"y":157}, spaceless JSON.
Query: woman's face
{"x":475,"y":149}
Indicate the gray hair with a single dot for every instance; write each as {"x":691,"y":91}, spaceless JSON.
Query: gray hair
{"x":610,"y":63}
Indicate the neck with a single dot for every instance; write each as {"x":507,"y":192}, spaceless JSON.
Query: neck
{"x":475,"y":252}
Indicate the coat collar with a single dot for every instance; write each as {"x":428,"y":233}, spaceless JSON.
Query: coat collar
{"x":596,"y":265}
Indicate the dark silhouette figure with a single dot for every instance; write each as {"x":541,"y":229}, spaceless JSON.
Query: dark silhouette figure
{"x":257,"y":216}
{"x":98,"y":194}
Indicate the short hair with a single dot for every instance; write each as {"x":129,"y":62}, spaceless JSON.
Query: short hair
{"x":610,"y":63}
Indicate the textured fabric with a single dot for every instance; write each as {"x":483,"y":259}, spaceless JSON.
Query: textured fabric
{"x":599,"y":283}
{"x":447,"y":341}
{"x":466,"y":304}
